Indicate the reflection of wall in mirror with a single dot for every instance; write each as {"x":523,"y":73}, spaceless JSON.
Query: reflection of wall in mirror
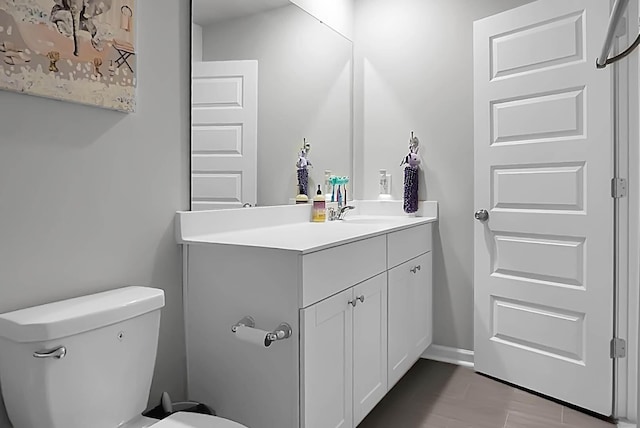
{"x":337,"y":14}
{"x":304,"y":91}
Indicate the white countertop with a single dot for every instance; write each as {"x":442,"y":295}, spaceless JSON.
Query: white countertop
{"x":309,"y":237}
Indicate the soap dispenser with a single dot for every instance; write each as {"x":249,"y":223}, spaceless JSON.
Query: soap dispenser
{"x":319,"y":212}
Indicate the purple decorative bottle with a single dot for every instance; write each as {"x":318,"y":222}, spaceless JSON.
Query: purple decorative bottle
{"x":411,"y":176}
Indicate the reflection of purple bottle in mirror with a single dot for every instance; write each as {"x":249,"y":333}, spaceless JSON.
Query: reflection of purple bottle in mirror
{"x":303,"y":164}
{"x":411,"y":176}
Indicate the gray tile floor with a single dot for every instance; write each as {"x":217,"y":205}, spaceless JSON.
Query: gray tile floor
{"x":439,"y":395}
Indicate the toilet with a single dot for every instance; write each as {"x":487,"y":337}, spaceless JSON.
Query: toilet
{"x":87,"y":362}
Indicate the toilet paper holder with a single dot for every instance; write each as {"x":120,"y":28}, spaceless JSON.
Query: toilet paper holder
{"x":283,"y":331}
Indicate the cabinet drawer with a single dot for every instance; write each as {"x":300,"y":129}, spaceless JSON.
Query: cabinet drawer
{"x":407,"y":244}
{"x":330,"y":271}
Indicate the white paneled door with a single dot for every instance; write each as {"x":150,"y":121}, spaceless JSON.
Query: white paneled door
{"x":224,"y":134}
{"x":543,"y":275}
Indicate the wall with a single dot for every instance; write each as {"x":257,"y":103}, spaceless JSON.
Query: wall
{"x":338,"y":14}
{"x":196,"y":47}
{"x":414,"y":72}
{"x":88,"y":196}
{"x":304,"y":91}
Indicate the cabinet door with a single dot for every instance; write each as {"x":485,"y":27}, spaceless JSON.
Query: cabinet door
{"x":327,"y":362}
{"x":369,"y":346}
{"x":409,"y":312}
{"x":422,"y":285}
{"x":400,"y":337}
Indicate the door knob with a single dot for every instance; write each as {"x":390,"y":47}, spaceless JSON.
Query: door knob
{"x":482,"y":215}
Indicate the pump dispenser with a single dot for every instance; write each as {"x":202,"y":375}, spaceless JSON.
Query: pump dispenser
{"x":319,"y":212}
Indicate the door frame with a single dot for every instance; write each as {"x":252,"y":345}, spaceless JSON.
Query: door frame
{"x":627,"y":219}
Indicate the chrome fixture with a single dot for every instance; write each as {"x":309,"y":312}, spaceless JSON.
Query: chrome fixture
{"x":342,"y":213}
{"x":283,"y":331}
{"x":354,"y":302}
{"x":482,"y":215}
{"x":332,"y":214}
{"x":58,"y":353}
{"x":244,"y":322}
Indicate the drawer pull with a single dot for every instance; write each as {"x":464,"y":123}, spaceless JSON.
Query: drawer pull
{"x":415,"y":269}
{"x":354,"y":302}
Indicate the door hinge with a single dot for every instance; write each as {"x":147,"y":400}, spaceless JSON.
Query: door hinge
{"x":618,"y":188}
{"x":618,"y":348}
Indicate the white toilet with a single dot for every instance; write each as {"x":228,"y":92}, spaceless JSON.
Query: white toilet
{"x":86,"y":363}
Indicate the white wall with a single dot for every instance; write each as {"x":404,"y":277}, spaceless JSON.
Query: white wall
{"x":304,"y":91}
{"x":196,"y":47}
{"x":414,"y":72}
{"x":338,"y":14}
{"x":88,"y":196}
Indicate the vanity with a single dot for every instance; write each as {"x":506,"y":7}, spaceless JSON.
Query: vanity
{"x":357,"y":295}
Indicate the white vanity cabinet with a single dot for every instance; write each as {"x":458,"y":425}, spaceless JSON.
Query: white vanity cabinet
{"x":360,"y":313}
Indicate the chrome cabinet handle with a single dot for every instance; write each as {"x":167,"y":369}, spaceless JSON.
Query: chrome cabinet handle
{"x":415,"y":269}
{"x":354,"y":302}
{"x":482,"y":215}
{"x":58,"y":353}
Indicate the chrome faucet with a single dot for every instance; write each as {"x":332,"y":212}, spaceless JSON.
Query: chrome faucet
{"x":342,"y":213}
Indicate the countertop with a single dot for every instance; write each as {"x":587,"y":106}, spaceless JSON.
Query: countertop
{"x":308,"y":237}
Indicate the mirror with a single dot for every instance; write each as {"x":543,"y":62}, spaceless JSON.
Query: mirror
{"x":266,"y":75}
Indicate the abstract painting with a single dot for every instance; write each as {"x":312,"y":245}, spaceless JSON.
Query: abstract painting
{"x":81,"y":51}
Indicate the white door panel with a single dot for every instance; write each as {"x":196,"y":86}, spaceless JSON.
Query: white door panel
{"x":423,"y":298}
{"x":369,"y":346}
{"x":224,"y":134}
{"x":543,"y":275}
{"x":400,"y":337}
{"x":327,"y":363}
{"x":410,"y":325}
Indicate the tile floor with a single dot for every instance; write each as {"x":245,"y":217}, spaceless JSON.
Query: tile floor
{"x":439,"y":395}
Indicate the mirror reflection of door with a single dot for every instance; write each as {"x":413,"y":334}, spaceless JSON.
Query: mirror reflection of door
{"x":224,"y":119}
{"x":304,"y":90}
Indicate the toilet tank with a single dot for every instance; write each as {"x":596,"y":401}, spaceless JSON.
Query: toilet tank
{"x":103,"y":379}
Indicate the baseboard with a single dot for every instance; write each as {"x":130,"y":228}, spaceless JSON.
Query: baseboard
{"x":626,"y":424}
{"x":446,"y":354}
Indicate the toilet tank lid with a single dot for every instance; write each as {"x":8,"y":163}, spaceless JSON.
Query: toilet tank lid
{"x":68,"y":317}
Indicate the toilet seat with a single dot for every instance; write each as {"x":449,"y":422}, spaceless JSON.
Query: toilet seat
{"x":195,"y":420}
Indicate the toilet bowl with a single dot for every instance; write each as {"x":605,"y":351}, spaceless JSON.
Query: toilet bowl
{"x":86,"y":362}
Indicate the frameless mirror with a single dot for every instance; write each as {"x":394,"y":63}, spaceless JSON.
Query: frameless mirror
{"x":266,"y":76}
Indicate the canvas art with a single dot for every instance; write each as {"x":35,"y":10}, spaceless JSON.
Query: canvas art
{"x":73,"y":50}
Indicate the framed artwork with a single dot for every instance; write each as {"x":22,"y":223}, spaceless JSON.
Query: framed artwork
{"x":81,"y":51}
